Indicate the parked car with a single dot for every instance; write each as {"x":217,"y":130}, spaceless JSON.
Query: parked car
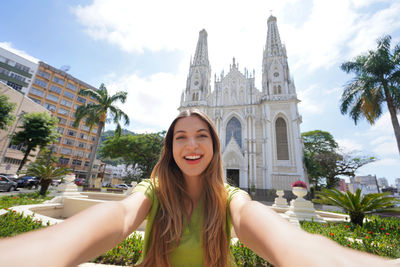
{"x":28,"y":181}
{"x":123,"y":186}
{"x":13,"y":177}
{"x":79,"y":181}
{"x":7,"y":184}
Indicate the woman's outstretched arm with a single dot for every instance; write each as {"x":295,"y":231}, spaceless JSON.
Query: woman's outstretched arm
{"x":276,"y":240}
{"x":79,"y":238}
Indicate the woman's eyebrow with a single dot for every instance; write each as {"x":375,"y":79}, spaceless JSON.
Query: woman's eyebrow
{"x":203,"y":130}
{"x":179,"y":131}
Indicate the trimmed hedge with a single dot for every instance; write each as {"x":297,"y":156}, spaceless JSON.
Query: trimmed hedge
{"x":22,"y":199}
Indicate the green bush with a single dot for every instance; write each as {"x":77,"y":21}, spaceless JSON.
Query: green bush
{"x":13,"y":223}
{"x":245,"y":257}
{"x":379,"y":236}
{"x":125,"y":253}
{"x":22,"y":199}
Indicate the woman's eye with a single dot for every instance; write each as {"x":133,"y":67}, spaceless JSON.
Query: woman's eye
{"x":203,"y":136}
{"x":179,"y":138}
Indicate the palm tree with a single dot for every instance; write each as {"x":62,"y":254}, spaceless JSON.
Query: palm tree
{"x":96,"y":114}
{"x":377,"y":80}
{"x":46,"y":174}
{"x":357,"y":205}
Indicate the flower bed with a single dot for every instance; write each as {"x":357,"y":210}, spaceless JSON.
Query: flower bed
{"x":379,"y":236}
{"x":13,"y":223}
{"x":22,"y":199}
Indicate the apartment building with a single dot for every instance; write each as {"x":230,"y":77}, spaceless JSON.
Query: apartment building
{"x":57,"y":91}
{"x":11,"y":155}
{"x":16,"y":71}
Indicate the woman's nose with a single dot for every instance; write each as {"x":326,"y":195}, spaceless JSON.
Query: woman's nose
{"x":192,"y":142}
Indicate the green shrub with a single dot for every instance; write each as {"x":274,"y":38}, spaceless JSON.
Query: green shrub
{"x":125,"y":253}
{"x":379,"y":236}
{"x":13,"y":223}
{"x":245,"y":257}
{"x":22,"y":199}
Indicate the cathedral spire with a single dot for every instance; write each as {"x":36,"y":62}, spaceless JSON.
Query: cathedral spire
{"x":201,"y":55}
{"x":198,"y":86}
{"x":276,"y":77}
{"x":274,"y":46}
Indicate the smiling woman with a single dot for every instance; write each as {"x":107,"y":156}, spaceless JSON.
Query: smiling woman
{"x":190,"y":213}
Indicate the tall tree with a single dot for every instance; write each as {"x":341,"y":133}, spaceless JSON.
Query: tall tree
{"x":377,"y":80}
{"x":141,"y":149}
{"x":325,"y":162}
{"x":6,"y":109}
{"x":38,"y":129}
{"x":96,"y":114}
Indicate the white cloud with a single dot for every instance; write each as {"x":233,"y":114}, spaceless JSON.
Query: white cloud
{"x":152,"y":101}
{"x":310,"y":101}
{"x":8,"y":46}
{"x":348,"y":145}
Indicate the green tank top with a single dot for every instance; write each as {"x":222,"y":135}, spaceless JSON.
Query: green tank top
{"x":190,"y":249}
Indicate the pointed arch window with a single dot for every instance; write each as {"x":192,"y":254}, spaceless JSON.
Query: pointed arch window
{"x":234,"y":129}
{"x":282,"y":149}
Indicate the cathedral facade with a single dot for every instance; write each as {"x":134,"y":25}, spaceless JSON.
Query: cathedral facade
{"x":259,"y":130}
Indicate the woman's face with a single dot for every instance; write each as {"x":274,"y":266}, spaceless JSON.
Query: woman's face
{"x":192,"y":146}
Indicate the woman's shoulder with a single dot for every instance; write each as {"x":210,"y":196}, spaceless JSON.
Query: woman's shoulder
{"x":233,"y":191}
{"x":146,"y":186}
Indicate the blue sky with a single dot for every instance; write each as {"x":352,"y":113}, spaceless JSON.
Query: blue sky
{"x":144,"y":47}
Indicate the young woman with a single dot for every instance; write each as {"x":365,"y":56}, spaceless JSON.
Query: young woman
{"x":189,"y":214}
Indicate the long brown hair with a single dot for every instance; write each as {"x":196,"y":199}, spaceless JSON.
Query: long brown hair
{"x":170,"y":189}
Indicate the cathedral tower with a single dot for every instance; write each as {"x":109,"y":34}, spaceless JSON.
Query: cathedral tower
{"x":198,"y":81}
{"x":283,"y":149}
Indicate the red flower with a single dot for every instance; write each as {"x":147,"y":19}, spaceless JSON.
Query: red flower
{"x":387,"y":234}
{"x":140,"y":251}
{"x":299,"y":184}
{"x":325,"y":225}
{"x":331,"y":234}
{"x":6,"y":208}
{"x":15,"y":197}
{"x":119,"y":247}
{"x":14,"y":211}
{"x":242,"y":245}
{"x":369,"y":232}
{"x":367,"y":237}
{"x":347,"y":226}
{"x":349,"y":245}
{"x":383,"y":229}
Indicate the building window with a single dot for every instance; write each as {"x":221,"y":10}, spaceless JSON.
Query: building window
{"x":69,"y":94}
{"x":50,"y":106}
{"x":66,"y":151}
{"x":79,"y":153}
{"x":85,"y":128}
{"x":14,"y":85}
{"x":4,"y":71}
{"x":63,"y":111}
{"x":63,"y":161}
{"x":71,"y":133}
{"x":76,"y":162}
{"x":86,"y":163}
{"x":69,"y":142}
{"x":40,"y":82}
{"x":35,"y":100}
{"x":60,"y":130}
{"x":58,"y":80}
{"x":234,"y":129}
{"x":81,"y":145}
{"x":52,"y":97}
{"x":44,"y":74}
{"x":66,"y":103}
{"x":71,"y":86}
{"x":282,"y":149}
{"x":62,"y":120}
{"x":35,"y":91}
{"x":55,"y":89}
{"x":83,"y":136}
{"x":17,"y":77}
{"x":81,"y":99}
{"x":22,"y":67}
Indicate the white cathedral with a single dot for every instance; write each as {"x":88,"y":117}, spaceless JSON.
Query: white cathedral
{"x":259,"y":130}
